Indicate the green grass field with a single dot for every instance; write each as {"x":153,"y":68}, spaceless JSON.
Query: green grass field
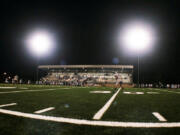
{"x":130,"y":105}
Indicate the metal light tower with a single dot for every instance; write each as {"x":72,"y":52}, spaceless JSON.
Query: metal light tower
{"x":41,"y":44}
{"x":137,"y":37}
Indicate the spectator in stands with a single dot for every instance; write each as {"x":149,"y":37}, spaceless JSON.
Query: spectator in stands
{"x":119,"y":81}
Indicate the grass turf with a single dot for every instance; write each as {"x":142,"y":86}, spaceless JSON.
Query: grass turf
{"x":77,"y":102}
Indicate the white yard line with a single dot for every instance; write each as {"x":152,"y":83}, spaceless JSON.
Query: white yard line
{"x":159,"y":116}
{"x":25,"y":91}
{"x":100,"y":113}
{"x":93,"y":122}
{"x":100,"y":92}
{"x":8,"y":104}
{"x":44,"y":110}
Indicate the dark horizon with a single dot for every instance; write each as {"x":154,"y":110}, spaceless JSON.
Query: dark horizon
{"x":86,"y":34}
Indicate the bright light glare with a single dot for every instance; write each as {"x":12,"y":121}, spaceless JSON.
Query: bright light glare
{"x":137,"y":37}
{"x":40,"y":43}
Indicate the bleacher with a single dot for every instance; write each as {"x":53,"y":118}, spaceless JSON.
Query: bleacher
{"x":86,"y":74}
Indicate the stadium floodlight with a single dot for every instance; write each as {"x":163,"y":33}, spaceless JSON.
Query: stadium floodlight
{"x":40,"y":43}
{"x":137,"y":37}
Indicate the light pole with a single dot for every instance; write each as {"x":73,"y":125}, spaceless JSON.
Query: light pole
{"x":137,"y":37}
{"x":138,"y":70}
{"x":37,"y":71}
{"x":40,"y":43}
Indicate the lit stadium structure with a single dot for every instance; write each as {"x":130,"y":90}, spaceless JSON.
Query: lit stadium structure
{"x":87,"y":74}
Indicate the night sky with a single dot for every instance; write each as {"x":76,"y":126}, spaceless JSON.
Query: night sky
{"x":86,"y":33}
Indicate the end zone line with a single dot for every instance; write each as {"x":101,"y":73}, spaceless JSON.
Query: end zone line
{"x":8,"y":104}
{"x":100,"y":113}
{"x":25,"y":91}
{"x":44,"y":110}
{"x":93,"y":122}
{"x":159,"y":116}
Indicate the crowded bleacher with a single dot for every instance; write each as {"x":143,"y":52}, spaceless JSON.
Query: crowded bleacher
{"x":80,"y":75}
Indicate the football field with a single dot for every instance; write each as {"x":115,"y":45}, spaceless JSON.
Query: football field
{"x":60,"y":110}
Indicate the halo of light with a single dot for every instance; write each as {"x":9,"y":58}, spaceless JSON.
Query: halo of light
{"x":40,"y":43}
{"x":137,"y":37}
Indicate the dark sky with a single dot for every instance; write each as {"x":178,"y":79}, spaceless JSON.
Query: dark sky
{"x":86,"y":34}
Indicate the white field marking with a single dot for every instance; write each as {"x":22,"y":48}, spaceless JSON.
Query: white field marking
{"x":100,"y":113}
{"x":25,"y":91}
{"x":44,"y":110}
{"x":7,"y":87}
{"x":139,"y":92}
{"x":152,"y":92}
{"x":100,"y":92}
{"x":127,"y":92}
{"x":93,"y":122}
{"x":8,"y":104}
{"x":159,"y":116}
